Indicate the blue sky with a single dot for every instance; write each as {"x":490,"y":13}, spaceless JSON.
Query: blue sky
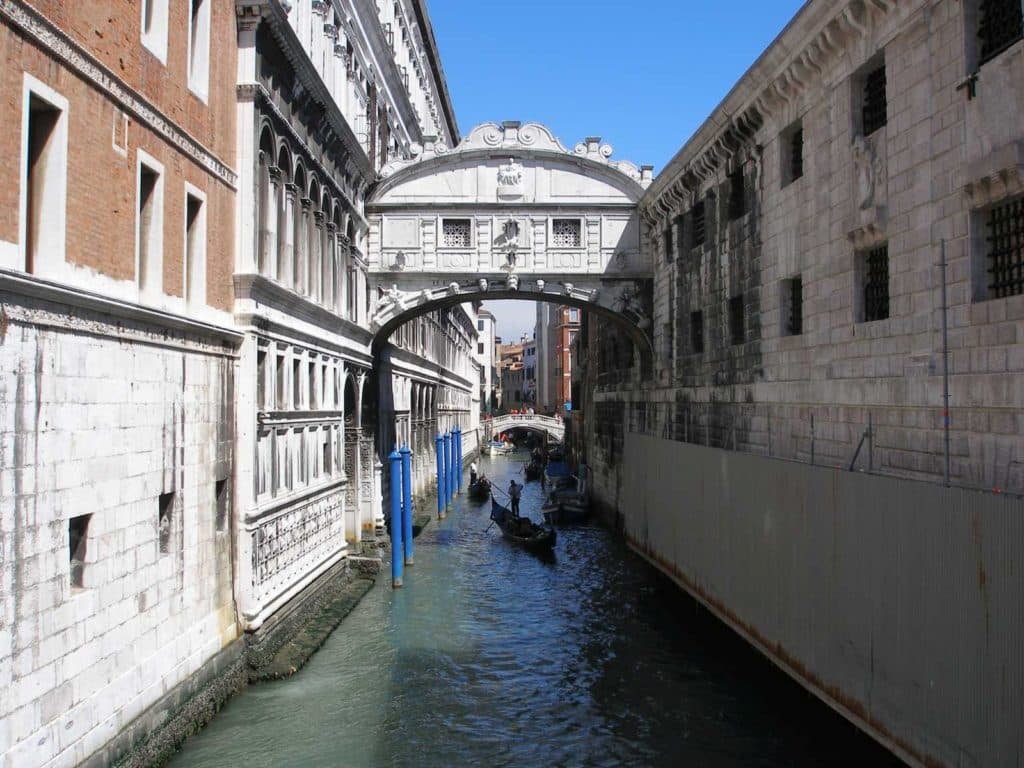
{"x":642,"y":75}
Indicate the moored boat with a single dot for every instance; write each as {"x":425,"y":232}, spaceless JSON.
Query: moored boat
{"x":533,"y":470}
{"x":522,"y":530}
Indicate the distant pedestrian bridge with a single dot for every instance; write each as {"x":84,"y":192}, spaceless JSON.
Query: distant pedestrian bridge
{"x":551,"y":426}
{"x":509,"y":213}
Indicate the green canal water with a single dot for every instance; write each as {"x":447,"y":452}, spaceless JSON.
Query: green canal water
{"x":489,"y":656}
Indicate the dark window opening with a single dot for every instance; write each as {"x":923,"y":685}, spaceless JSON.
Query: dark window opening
{"x":311,"y":386}
{"x":668,"y":243}
{"x":165,"y":521}
{"x":876,"y":284}
{"x":1000,"y":25}
{"x":873,"y":106}
{"x":296,"y":384}
{"x":795,"y":302}
{"x":1004,"y":237}
{"x":737,"y":194}
{"x":220,"y":502}
{"x":792,"y":155}
{"x":281,"y":404}
{"x":261,"y":379}
{"x":699,"y":227}
{"x":148,"y":180}
{"x":737,"y":331}
{"x":697,"y":332}
{"x":42,"y":131}
{"x":78,"y":535}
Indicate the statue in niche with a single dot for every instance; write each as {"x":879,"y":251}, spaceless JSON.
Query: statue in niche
{"x":510,"y":175}
{"x":511,"y":232}
{"x":867,"y":168}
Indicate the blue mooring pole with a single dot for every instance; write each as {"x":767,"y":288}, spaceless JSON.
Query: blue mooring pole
{"x":407,"y":502}
{"x":458,"y":460}
{"x":447,"y":468}
{"x":395,"y":460}
{"x":439,"y":449}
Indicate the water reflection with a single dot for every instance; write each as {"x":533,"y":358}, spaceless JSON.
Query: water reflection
{"x":491,"y":656}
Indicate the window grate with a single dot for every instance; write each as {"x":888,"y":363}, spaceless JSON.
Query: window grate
{"x":697,"y":332}
{"x":796,"y":154}
{"x":873,"y":109}
{"x":699,"y":227}
{"x":1000,"y":25}
{"x":455,"y":233}
{"x":796,"y":306}
{"x":737,"y":194}
{"x":1005,"y":238}
{"x":876,"y":284}
{"x":737,"y":331}
{"x":565,"y":233}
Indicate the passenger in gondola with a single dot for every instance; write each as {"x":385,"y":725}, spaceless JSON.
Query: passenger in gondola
{"x":472,"y":472}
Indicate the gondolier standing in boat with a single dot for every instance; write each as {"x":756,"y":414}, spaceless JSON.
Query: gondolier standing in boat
{"x":514,"y":490}
{"x":472,"y":473}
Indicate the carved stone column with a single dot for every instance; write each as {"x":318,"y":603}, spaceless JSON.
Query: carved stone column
{"x":286,"y":253}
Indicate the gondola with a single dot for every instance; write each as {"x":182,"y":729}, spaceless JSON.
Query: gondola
{"x":522,"y":530}
{"x":533,"y":470}
{"x":480,"y":490}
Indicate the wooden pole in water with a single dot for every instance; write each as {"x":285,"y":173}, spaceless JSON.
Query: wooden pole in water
{"x":439,"y":452}
{"x":395,"y":461}
{"x":407,"y":503}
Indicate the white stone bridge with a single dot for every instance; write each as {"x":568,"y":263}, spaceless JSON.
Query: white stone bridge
{"x":551,"y":426}
{"x":509,"y":213}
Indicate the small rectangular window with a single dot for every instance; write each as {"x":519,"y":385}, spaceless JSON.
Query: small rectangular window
{"x":873,"y":100}
{"x":480,"y":348}
{"x":1000,"y":25}
{"x":875,"y":275}
{"x":574,"y":315}
{"x":220,"y":504}
{"x":195,"y":250}
{"x":793,"y":306}
{"x":199,"y":48}
{"x":281,"y":377}
{"x":261,"y":379}
{"x":792,"y":150}
{"x":311,"y":403}
{"x":455,"y":233}
{"x":1004,"y":249}
{"x":78,"y":538}
{"x":154,"y":28}
{"x":45,"y":183}
{"x":479,"y":325}
{"x":296,"y":384}
{"x":737,"y":195}
{"x":697,"y":332}
{"x":149,"y":230}
{"x":699,"y":226}
{"x":737,"y":320}
{"x":566,"y":233}
{"x":165,"y":521}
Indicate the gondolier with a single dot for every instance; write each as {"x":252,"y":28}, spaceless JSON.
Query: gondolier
{"x":472,"y":472}
{"x":514,"y":490}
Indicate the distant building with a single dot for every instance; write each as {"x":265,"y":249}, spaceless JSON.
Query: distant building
{"x":485,"y":356}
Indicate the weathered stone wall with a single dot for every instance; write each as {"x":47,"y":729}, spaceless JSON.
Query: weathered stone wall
{"x":127,"y":422}
{"x":931,"y":173}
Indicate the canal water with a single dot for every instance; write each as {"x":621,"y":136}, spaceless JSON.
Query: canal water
{"x":491,"y":656}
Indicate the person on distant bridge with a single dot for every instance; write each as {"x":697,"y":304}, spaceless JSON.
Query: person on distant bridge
{"x":472,"y":472}
{"x":514,"y":490}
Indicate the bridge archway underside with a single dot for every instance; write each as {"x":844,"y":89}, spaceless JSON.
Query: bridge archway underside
{"x":509,"y":214}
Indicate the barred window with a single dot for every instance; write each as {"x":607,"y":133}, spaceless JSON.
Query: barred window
{"x":873,"y":106}
{"x":1000,"y":25}
{"x":794,"y":306}
{"x":455,"y":233}
{"x":699,"y":227}
{"x":1004,"y":239}
{"x":737,"y":194}
{"x":565,"y":233}
{"x":792,"y":148}
{"x":697,"y":332}
{"x":876,"y":284}
{"x":737,"y":320}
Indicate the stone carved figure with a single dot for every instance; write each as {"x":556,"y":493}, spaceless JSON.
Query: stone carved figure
{"x":867,"y":168}
{"x":390,"y":297}
{"x":513,"y":282}
{"x":510,"y":175}
{"x":482,"y":284}
{"x":511,"y":231}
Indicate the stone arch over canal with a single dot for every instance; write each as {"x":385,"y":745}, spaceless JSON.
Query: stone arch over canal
{"x":509,"y":213}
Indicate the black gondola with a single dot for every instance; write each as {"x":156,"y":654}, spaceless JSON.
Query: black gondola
{"x":480,"y":490}
{"x":522,"y":530}
{"x":533,"y":470}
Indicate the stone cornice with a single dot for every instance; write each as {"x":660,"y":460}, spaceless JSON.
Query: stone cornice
{"x":430,"y":44}
{"x":819,"y":34}
{"x":114,"y":312}
{"x":75,"y":57}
